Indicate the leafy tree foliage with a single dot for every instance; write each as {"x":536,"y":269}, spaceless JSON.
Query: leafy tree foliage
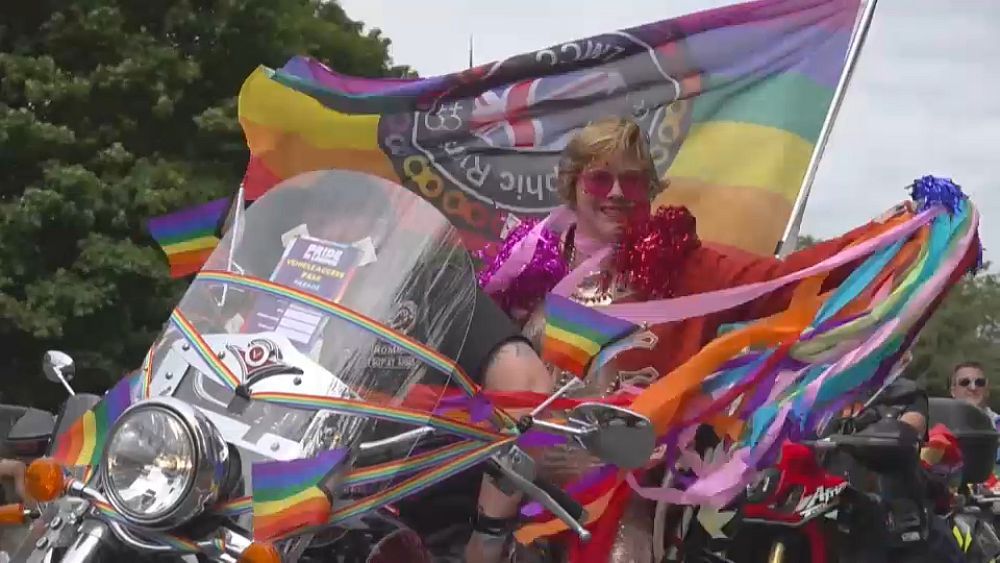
{"x":113,"y":111}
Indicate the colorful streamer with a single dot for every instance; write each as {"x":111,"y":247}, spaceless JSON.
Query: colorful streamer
{"x":204,"y":351}
{"x":784,"y":373}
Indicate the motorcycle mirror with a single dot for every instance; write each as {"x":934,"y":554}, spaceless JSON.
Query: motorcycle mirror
{"x":59,"y":367}
{"x":615,"y":435}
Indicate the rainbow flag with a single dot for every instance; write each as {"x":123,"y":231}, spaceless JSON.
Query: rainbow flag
{"x":574,"y":333}
{"x":752,"y":113}
{"x":189,"y":236}
{"x":287,"y":494}
{"x":733,"y":100}
{"x":82,"y":444}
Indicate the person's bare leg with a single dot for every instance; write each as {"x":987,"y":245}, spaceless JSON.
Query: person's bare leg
{"x":515,"y":366}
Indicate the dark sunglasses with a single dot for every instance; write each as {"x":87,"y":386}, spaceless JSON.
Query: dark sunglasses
{"x":977,"y":382}
{"x":634,"y":184}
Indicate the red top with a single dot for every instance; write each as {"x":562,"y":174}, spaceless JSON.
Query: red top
{"x":714,"y":267}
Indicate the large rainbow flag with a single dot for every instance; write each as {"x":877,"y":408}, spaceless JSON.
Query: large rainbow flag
{"x":733,"y":100}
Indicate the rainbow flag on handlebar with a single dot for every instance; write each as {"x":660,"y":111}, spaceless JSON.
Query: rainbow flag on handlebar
{"x":733,"y":101}
{"x":82,"y":444}
{"x":287,"y":495}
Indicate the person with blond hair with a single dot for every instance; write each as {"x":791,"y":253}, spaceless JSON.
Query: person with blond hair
{"x":607,"y":181}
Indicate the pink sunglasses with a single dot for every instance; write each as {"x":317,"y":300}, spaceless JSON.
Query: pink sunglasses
{"x":634,"y":184}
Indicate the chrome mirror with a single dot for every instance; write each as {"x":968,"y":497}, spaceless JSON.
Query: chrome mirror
{"x":615,"y":435}
{"x":59,"y":367}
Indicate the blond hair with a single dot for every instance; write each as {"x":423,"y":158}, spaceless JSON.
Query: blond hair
{"x":610,"y":137}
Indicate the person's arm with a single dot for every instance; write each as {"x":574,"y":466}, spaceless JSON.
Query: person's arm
{"x":733,"y":267}
{"x":916,"y":413}
{"x":13,"y":470}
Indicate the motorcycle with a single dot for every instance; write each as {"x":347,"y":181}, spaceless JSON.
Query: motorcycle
{"x":973,"y":514}
{"x":855,"y":495}
{"x":292,"y":407}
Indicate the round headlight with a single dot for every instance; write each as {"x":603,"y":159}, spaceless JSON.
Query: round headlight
{"x":163,"y":463}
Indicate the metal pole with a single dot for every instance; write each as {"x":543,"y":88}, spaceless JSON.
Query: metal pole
{"x":853,"y":51}
{"x":234,"y":229}
{"x":470,"y":50}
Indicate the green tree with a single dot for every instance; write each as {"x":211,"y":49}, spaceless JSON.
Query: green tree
{"x":805,"y":241}
{"x":965,"y":327}
{"x":112,"y":111}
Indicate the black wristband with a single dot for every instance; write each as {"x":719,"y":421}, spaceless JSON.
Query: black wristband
{"x":497,"y":527}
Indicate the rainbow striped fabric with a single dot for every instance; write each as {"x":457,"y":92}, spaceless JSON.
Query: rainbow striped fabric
{"x":189,"y":236}
{"x":83,"y":443}
{"x":733,"y":100}
{"x":574,"y":333}
{"x":287,"y":496}
{"x":766,"y":76}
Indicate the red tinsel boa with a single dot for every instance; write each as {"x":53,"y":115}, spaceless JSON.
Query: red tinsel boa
{"x":652,"y":251}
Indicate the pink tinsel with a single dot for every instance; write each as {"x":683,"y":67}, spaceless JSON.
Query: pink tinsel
{"x":650,"y":255}
{"x":539,"y":275}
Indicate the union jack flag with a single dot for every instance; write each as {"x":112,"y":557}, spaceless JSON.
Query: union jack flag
{"x":510,"y":117}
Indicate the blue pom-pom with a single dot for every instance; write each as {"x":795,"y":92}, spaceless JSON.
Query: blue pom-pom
{"x":931,"y":190}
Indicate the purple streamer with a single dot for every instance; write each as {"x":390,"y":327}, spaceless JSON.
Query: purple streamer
{"x":535,"y":438}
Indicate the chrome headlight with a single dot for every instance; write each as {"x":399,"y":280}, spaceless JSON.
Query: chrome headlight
{"x":163,"y":463}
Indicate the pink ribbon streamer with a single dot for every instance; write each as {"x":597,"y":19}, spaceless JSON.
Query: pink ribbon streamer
{"x":908,"y":315}
{"x":723,"y":482}
{"x":698,"y":305}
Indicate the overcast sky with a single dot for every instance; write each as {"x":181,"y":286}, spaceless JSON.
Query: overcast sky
{"x":925,"y":98}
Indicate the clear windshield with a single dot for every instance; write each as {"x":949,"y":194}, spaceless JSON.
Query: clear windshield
{"x":369,"y":246}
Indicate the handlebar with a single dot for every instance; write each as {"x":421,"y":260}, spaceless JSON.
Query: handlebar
{"x":226,"y":547}
{"x":574,"y":508}
{"x":845,"y":441}
{"x":554,"y":499}
{"x":823,"y":445}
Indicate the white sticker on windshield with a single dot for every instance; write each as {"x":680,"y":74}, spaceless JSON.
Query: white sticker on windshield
{"x":298,"y":232}
{"x":367,"y":248}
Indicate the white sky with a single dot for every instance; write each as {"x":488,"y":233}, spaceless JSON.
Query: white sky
{"x":925,"y":98}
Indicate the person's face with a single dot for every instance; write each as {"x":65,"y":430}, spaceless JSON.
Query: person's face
{"x":609,"y":191}
{"x":969,"y":384}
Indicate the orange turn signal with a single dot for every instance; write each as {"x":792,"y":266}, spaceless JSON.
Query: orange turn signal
{"x":45,"y":480}
{"x":13,"y":515}
{"x":260,"y":552}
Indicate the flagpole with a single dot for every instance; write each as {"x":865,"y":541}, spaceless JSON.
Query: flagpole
{"x":786,"y":245}
{"x":470,"y":50}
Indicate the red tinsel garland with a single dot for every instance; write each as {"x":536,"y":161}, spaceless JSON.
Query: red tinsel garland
{"x":652,"y":252}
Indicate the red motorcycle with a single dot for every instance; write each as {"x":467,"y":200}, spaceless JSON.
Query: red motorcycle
{"x":796,"y":495}
{"x":850,"y":497}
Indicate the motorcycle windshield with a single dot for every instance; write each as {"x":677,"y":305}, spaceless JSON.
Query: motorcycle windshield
{"x":304,"y":300}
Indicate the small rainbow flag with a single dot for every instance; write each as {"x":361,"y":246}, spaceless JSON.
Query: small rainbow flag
{"x":287,"y":496}
{"x":83,"y":443}
{"x":189,"y":236}
{"x":574,"y":333}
